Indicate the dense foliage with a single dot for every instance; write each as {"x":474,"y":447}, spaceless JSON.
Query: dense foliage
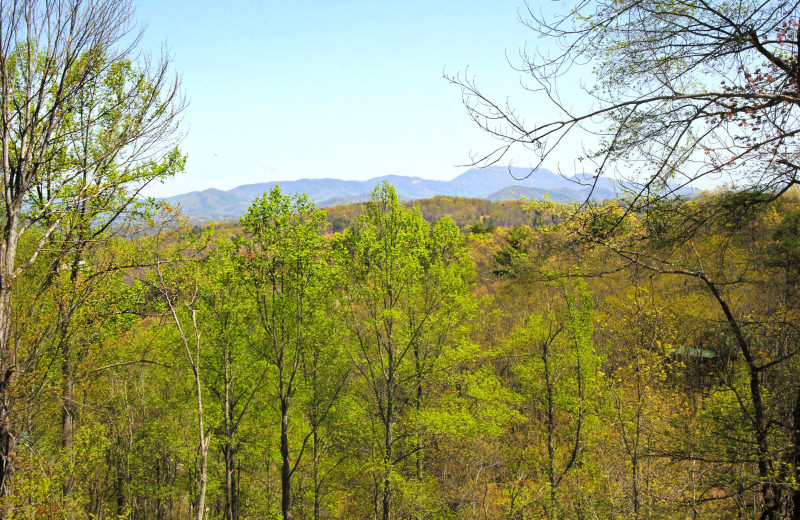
{"x":636,"y":358}
{"x":403,"y":368}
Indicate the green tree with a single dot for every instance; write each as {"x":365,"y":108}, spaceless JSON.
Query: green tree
{"x":326,"y":382}
{"x":403,"y":286}
{"x":178,"y":280}
{"x":80,"y":125}
{"x":556,"y":366}
{"x":235,"y":375}
{"x":286,"y":274}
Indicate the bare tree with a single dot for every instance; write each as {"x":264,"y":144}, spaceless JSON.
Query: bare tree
{"x":86,"y":121}
{"x":682,"y":91}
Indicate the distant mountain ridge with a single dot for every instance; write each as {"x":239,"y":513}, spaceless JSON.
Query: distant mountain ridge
{"x":492,"y":183}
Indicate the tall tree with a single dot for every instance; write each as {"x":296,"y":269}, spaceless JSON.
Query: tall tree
{"x":64,"y":144}
{"x":326,"y":378}
{"x":286,"y":273}
{"x":177,"y":278}
{"x":236,"y":375}
{"x":402,"y":281}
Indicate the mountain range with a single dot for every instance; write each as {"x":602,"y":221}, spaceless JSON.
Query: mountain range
{"x":492,"y":183}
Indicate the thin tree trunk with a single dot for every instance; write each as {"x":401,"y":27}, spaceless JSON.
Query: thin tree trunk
{"x":795,"y":493}
{"x":551,"y":456}
{"x":68,"y":369}
{"x":8,"y":440}
{"x":418,"y":403}
{"x":194,"y":363}
{"x":388,"y":440}
{"x":229,"y":449}
{"x":204,"y":442}
{"x":286,"y":470}
{"x":769,"y":491}
{"x":231,"y":494}
{"x":68,"y":425}
{"x":635,"y":468}
{"x":120,"y":490}
{"x":317,"y":483}
{"x":315,"y":434}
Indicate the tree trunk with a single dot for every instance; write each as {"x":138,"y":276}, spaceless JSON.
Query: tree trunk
{"x":194,"y":363}
{"x":418,"y":403}
{"x":8,"y":439}
{"x":317,"y":483}
{"x":204,"y":442}
{"x":231,"y":495}
{"x":769,"y":491}
{"x":229,"y":448}
{"x":68,"y":424}
{"x":286,"y":470}
{"x":201,"y":495}
{"x":120,"y":489}
{"x":315,"y":435}
{"x":795,"y":493}
{"x":551,"y":454}
{"x":388,"y":440}
{"x":387,"y":476}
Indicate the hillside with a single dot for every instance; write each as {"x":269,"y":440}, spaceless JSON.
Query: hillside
{"x":469,"y":214}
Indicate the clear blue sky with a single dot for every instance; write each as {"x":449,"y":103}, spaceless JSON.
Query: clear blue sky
{"x":352,"y":90}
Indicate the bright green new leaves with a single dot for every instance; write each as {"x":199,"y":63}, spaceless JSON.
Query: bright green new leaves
{"x":285,"y":271}
{"x":282,"y":257}
{"x":557,"y":374}
{"x":405,"y":286}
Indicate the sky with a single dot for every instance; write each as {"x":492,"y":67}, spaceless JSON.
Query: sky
{"x":281,"y":90}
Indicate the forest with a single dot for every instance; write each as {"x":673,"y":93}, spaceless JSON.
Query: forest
{"x":436,"y":359}
{"x":407,"y":368}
